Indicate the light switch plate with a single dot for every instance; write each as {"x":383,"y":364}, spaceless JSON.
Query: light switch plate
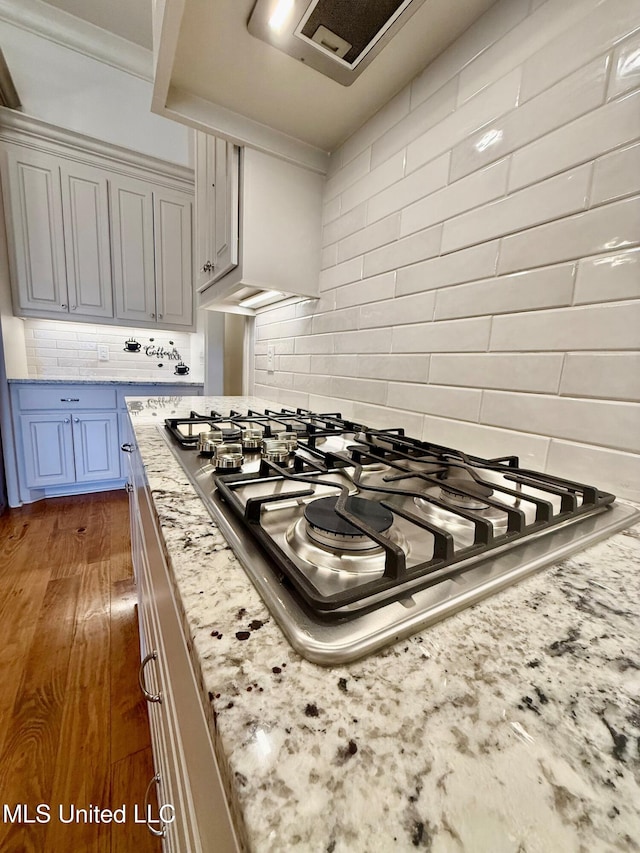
{"x":103,"y":352}
{"x":271,"y":358}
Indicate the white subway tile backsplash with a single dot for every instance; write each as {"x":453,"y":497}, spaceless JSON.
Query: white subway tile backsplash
{"x":531,"y":35}
{"x":420,"y":183}
{"x":373,"y":182}
{"x":379,"y":234}
{"x":418,"y":121}
{"x":460,"y":403}
{"x":609,"y":470}
{"x":526,"y":291}
{"x":473,"y":191}
{"x":613,"y":376}
{"x":364,"y":390}
{"x":594,"y":34}
{"x":335,"y":321}
{"x":366,"y":340}
{"x":617,"y":175}
{"x":612,"y":226}
{"x":551,"y":199}
{"x":443,"y":336}
{"x":484,"y":107}
{"x":348,"y":175}
{"x":602,"y":327}
{"x":353,"y":220}
{"x":625,"y":74}
{"x":341,"y":274}
{"x":608,"y":277}
{"x":369,"y":290}
{"x":463,"y":276}
{"x":469,"y":264}
{"x":403,"y":309}
{"x":390,"y":114}
{"x":488,"y":442}
{"x":581,"y":92}
{"x":412,"y":368}
{"x":534,"y":373}
{"x":314,"y":344}
{"x":611,"y":424}
{"x":408,"y":250}
{"x":588,"y":137}
{"x":486,"y":31}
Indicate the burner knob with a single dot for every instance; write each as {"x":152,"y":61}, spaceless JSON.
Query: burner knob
{"x":290,"y":439}
{"x":252,"y":438}
{"x":274,"y":450}
{"x":228,"y":457}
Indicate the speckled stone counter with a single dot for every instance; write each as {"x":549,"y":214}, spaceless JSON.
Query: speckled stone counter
{"x":511,"y":726}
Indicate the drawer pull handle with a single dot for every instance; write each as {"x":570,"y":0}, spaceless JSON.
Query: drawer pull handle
{"x":127,"y":447}
{"x":150,"y":697}
{"x":69,"y":399}
{"x":159,"y":833}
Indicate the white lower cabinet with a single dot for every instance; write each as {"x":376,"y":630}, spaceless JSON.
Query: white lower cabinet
{"x":65,"y":448}
{"x":192,"y":812}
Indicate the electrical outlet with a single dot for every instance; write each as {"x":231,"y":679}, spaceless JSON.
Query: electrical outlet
{"x":271,"y":358}
{"x":103,"y":352}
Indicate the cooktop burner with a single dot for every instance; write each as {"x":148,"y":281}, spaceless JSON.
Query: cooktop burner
{"x":327,"y":527}
{"x":356,"y":537}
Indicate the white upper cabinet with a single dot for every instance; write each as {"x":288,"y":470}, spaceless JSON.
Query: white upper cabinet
{"x":217,"y":187}
{"x":60,"y":224}
{"x":97,"y":233}
{"x":258,"y":226}
{"x":85,"y":210}
{"x":152,"y":270}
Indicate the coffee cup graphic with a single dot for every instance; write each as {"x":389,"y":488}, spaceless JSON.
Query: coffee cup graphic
{"x":181,"y":369}
{"x":131,"y":345}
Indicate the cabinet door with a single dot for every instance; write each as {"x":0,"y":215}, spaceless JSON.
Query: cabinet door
{"x":85,"y":207}
{"x":48,"y":449}
{"x":226,"y":190}
{"x":95,"y":446}
{"x":204,"y":207}
{"x":172,"y":244}
{"x":217,"y":208}
{"x":38,"y":237}
{"x":133,"y":255}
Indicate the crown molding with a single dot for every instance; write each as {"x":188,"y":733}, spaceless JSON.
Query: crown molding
{"x":79,"y":35}
{"x":21,"y":129}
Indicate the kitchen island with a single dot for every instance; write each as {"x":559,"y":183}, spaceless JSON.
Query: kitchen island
{"x":511,"y":726}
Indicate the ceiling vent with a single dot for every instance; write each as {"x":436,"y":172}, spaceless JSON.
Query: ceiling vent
{"x":338,"y":38}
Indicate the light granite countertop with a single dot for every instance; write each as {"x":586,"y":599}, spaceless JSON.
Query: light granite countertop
{"x":511,"y":727}
{"x":177,"y":380}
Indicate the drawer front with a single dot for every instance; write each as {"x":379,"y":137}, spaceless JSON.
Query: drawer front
{"x":65,"y":397}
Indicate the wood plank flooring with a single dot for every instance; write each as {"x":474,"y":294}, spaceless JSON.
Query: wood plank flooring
{"x":74,"y":730}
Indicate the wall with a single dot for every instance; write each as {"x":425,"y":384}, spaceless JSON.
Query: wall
{"x":480,"y":278}
{"x":74,"y":91}
{"x":63,"y":350}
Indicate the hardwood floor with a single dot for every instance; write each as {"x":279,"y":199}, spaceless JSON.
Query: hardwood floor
{"x":74,"y":730}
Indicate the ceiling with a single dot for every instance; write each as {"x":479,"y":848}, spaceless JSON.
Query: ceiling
{"x":129,"y":19}
{"x":219,"y":61}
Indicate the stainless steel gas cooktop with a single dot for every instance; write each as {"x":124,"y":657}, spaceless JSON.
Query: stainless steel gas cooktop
{"x":357,"y":537}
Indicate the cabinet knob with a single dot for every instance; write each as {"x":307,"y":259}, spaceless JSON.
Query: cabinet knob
{"x":159,"y":316}
{"x":208,"y":267}
{"x":73,"y":307}
{"x":67,"y":420}
{"x":64,"y":305}
{"x":76,"y":420}
{"x":128,"y":488}
{"x":152,"y":315}
{"x":127,"y":447}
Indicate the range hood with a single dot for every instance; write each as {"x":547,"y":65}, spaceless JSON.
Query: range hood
{"x":337,"y":38}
